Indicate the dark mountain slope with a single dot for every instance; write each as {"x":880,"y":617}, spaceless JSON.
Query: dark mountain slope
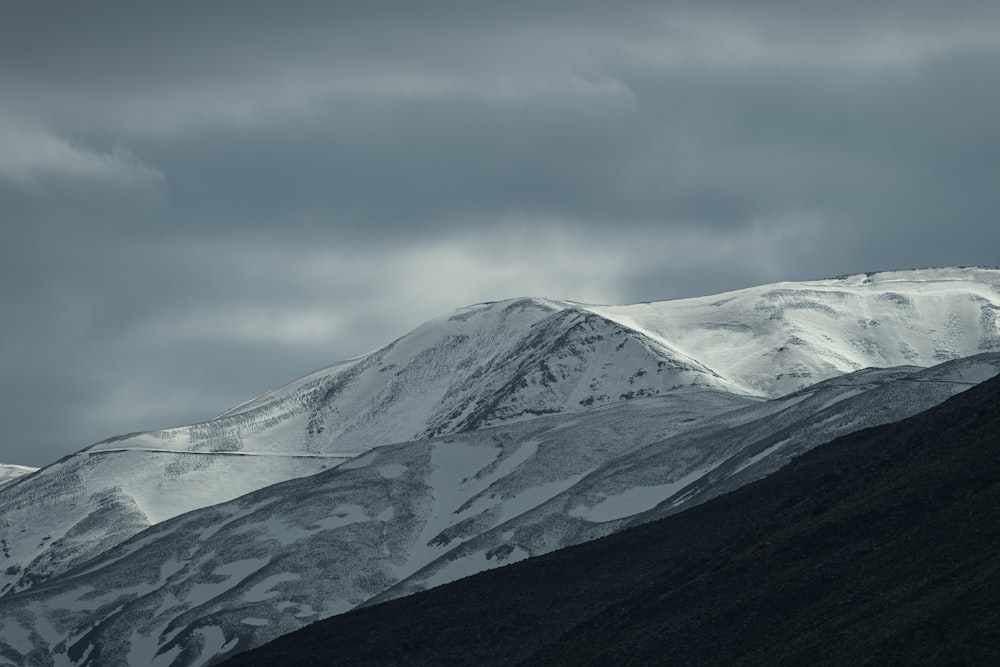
{"x":878,"y":547}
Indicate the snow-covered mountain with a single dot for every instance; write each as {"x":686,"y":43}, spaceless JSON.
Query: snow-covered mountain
{"x":491,"y":364}
{"x":485,"y":365}
{"x":534,"y":400}
{"x":407,"y":516}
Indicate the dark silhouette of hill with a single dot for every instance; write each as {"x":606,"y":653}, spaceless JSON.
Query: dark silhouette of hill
{"x":880,"y":547}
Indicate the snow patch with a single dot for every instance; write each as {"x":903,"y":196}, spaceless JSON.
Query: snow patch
{"x":759,"y":457}
{"x":392,"y":470}
{"x":635,"y":500}
{"x":531,"y":498}
{"x":214,"y":643}
{"x":143,"y":648}
{"x":471,"y":564}
{"x":234,"y":572}
{"x":359,"y":462}
{"x":263,"y":590}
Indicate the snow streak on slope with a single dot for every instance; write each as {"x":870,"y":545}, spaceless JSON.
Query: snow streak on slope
{"x":407,"y":516}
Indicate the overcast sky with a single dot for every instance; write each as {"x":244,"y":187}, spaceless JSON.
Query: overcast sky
{"x":202,"y":201}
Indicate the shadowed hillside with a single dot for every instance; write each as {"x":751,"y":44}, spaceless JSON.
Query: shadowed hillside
{"x":878,"y":547}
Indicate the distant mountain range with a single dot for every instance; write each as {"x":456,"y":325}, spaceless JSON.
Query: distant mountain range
{"x":502,"y":431}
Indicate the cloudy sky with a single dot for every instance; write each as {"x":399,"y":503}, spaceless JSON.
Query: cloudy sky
{"x":202,"y":201}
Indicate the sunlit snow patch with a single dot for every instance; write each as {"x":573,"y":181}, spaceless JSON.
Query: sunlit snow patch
{"x":635,"y":500}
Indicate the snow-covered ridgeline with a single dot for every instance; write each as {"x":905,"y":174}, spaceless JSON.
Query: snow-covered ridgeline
{"x":493,"y":362}
{"x":773,"y":339}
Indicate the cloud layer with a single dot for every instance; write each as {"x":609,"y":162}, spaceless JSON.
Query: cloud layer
{"x":202,"y":201}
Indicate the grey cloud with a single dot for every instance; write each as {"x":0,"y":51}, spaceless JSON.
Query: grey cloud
{"x":186,"y":171}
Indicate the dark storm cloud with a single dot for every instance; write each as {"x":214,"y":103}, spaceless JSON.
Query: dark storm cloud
{"x":201,"y":201}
